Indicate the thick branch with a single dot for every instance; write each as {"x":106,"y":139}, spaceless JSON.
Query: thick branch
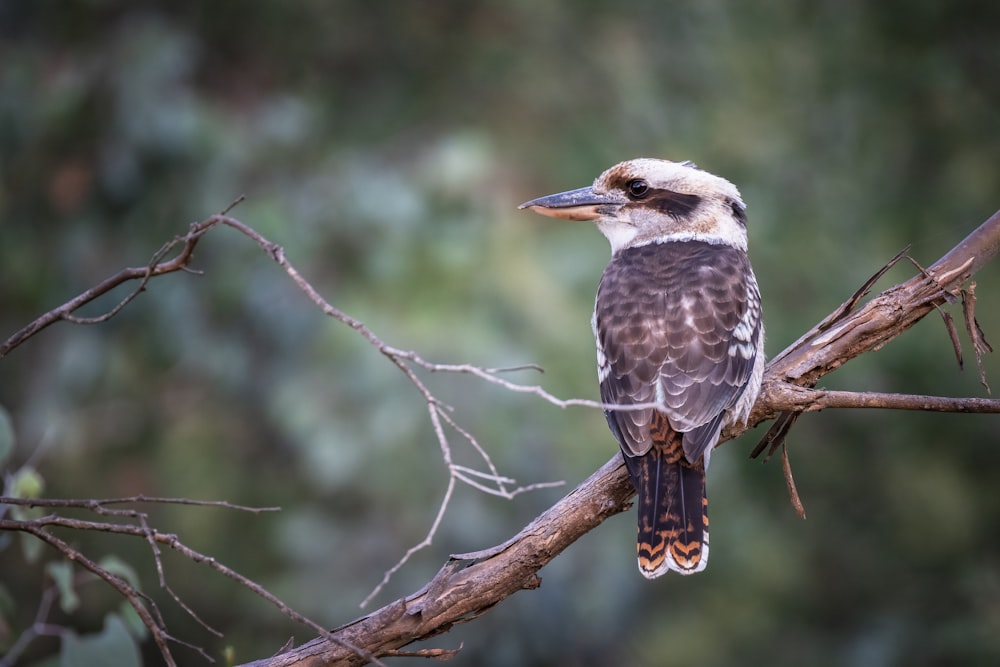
{"x":889,"y":314}
{"x":470,"y":584}
{"x":459,"y":593}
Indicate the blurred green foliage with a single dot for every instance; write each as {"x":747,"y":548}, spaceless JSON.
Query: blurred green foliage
{"x":385,"y":146}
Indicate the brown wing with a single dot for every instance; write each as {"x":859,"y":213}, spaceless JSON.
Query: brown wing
{"x":676,"y":323}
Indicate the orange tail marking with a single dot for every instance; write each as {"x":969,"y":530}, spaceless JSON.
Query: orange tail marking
{"x":672,"y":506}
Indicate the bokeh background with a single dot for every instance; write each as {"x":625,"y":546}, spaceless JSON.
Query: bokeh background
{"x":385,"y":146}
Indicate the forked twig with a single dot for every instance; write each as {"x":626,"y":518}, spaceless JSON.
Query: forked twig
{"x":458,"y":593}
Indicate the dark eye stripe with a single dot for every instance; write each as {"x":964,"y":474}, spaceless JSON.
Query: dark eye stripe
{"x":676,"y":204}
{"x":739,"y":213}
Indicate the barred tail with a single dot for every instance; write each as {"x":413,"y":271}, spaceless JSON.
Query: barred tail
{"x":672,"y":506}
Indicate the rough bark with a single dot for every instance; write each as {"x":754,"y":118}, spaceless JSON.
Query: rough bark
{"x":468,"y":585}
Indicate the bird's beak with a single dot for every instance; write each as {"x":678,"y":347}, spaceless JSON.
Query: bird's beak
{"x":582,"y":204}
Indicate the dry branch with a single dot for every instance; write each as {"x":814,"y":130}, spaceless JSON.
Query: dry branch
{"x":468,"y":585}
{"x":464,"y":589}
{"x":144,"y":606}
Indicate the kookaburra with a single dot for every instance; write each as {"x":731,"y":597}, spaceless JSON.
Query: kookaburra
{"x":678,"y":325}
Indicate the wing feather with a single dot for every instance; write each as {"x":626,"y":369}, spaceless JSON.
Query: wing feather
{"x":676,"y":323}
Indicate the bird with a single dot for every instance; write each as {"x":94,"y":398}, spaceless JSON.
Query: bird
{"x":680,"y":338}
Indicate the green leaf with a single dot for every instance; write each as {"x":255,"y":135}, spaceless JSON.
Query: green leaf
{"x":62,"y":574}
{"x":112,"y":647}
{"x":27,"y":483}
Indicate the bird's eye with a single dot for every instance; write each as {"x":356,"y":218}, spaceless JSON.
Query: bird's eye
{"x":637,"y":188}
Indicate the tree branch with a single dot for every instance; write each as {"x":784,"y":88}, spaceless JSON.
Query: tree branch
{"x":468,"y":585}
{"x":827,"y":347}
{"x":150,"y":616}
{"x":464,"y":589}
{"x":813,"y":400}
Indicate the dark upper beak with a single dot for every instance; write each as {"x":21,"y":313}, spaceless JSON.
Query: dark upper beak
{"x":582,"y":204}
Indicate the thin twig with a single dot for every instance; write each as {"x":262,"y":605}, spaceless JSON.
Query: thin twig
{"x":976,"y":335}
{"x":424,"y":543}
{"x":99,"y":505}
{"x":159,"y":633}
{"x":793,"y":493}
{"x":828,"y":399}
{"x":848,"y":332}
{"x":37,"y":527}
{"x":38,"y":628}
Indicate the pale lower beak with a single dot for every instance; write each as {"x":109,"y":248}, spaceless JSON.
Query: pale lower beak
{"x":582,"y":204}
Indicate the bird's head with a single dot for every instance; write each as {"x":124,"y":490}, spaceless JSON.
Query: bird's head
{"x":649,"y":201}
